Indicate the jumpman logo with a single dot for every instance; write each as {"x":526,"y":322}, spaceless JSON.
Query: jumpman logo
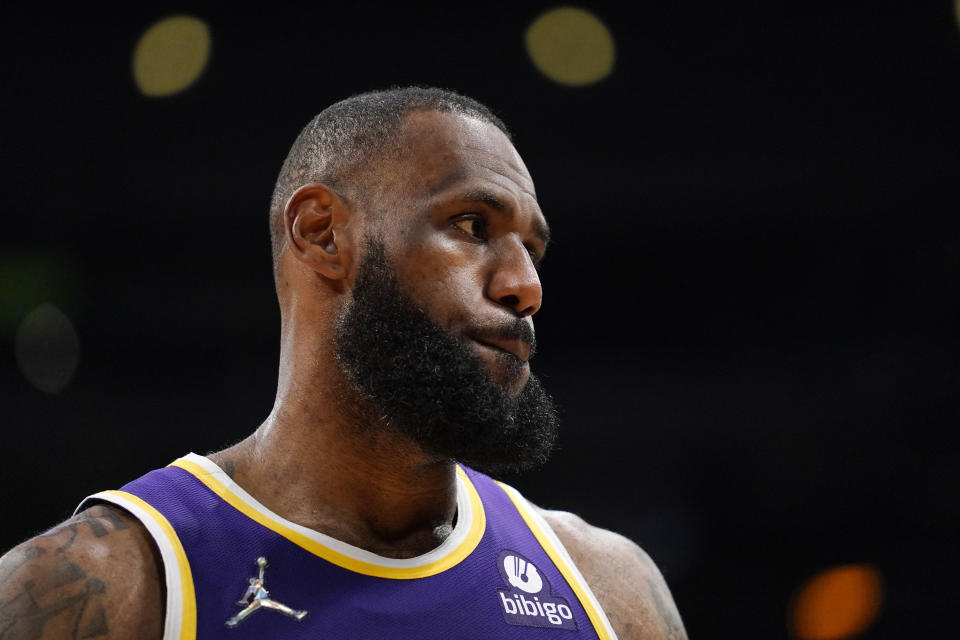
{"x":261,"y":600}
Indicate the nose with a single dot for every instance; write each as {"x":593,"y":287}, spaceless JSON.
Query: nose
{"x":514,"y":282}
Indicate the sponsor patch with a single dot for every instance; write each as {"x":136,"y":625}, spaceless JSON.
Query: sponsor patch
{"x":528,"y":600}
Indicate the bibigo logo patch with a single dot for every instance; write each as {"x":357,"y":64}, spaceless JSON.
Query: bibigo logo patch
{"x":528,"y":599}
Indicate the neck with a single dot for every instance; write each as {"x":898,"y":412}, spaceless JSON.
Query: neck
{"x":320,"y":463}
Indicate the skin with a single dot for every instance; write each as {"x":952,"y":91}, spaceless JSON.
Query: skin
{"x":464,"y":231}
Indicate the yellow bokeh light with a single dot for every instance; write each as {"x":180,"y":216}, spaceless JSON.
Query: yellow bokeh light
{"x":837,"y":603}
{"x":171,"y":55}
{"x":571,"y":46}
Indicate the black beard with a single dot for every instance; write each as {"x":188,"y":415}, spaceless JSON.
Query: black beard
{"x":431,"y":387}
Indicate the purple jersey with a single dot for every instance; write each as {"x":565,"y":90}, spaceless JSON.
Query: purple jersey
{"x":235,"y":569}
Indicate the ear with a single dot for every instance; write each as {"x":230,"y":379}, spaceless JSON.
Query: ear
{"x":316,"y":219}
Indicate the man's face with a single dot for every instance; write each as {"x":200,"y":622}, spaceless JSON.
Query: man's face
{"x":465,"y":234}
{"x":438,"y":332}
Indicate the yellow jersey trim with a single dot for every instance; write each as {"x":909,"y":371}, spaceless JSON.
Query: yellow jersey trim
{"x":561,"y":559}
{"x":188,"y":621}
{"x":314,"y":546}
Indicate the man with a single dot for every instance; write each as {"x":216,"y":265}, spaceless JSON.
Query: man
{"x":406,"y":237}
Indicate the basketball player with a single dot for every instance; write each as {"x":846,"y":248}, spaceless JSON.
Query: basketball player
{"x":406,"y":237}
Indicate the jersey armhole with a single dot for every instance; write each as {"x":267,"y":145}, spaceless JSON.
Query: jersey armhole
{"x":554,"y":548}
{"x":180,"y":617}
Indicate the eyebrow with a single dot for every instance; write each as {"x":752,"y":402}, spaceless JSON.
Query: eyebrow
{"x":540,"y":228}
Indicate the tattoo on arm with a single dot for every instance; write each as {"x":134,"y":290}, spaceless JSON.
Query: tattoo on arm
{"x":93,"y":518}
{"x":64,"y":591}
{"x":24,"y":615}
{"x":25,"y":556}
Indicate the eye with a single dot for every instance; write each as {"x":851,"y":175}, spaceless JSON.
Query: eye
{"x":473,"y":225}
{"x":535,"y":258}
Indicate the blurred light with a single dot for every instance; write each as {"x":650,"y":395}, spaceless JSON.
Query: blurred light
{"x":171,"y":55}
{"x":28,"y":278}
{"x":25,"y":284}
{"x":571,"y":46}
{"x":47,"y":348}
{"x":837,"y":603}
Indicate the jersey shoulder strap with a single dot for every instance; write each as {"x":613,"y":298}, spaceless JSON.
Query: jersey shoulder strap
{"x":550,"y":545}
{"x":180,"y":616}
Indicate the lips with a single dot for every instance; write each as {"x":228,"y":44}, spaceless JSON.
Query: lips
{"x":514,"y":346}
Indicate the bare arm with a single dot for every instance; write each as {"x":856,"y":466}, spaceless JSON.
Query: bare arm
{"x":622,"y":576}
{"x":97,"y":575}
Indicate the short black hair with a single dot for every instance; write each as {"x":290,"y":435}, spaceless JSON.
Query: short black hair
{"x":347,"y":135}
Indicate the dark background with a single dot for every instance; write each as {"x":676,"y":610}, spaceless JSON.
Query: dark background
{"x":750,"y":308}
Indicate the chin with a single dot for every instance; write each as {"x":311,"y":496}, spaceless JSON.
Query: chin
{"x":506,"y":369}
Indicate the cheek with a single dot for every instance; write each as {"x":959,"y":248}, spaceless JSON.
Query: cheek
{"x":446,"y":284}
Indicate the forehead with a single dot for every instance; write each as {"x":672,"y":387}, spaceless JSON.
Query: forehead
{"x":444,"y":150}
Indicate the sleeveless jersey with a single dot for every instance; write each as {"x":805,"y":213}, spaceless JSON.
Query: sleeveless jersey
{"x":235,"y":570}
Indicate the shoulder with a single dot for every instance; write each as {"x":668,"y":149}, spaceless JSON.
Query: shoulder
{"x":95,"y":575}
{"x":622,"y":576}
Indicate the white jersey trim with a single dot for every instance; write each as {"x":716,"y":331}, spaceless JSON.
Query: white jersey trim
{"x":465,"y":521}
{"x":176,"y":569}
{"x":566,"y":565}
